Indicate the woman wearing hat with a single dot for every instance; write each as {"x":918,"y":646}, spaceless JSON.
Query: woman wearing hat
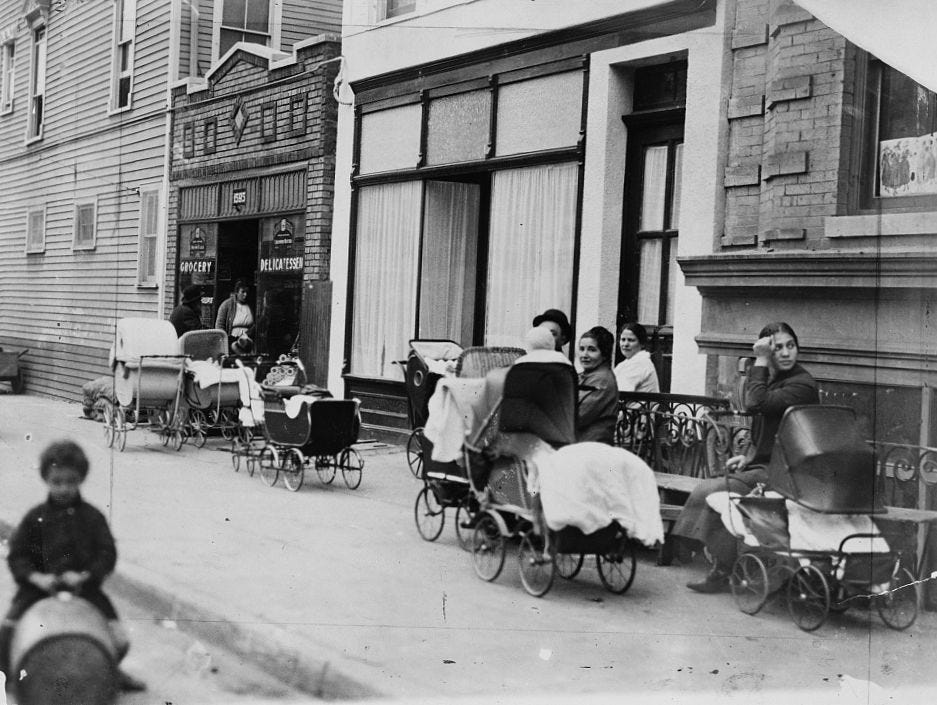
{"x":187,"y":315}
{"x":557,"y":323}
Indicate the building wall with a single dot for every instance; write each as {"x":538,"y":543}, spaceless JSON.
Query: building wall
{"x":62,"y":304}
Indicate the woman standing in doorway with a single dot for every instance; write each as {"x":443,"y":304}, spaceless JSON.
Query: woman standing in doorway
{"x":636,"y":373}
{"x":237,"y":320}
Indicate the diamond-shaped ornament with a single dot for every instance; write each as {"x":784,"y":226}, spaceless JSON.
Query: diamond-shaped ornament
{"x":239,"y":119}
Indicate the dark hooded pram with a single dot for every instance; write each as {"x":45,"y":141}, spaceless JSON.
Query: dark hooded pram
{"x":822,"y":470}
{"x":420,"y":382}
{"x":305,"y":424}
{"x":445,"y":483}
{"x":538,"y":399}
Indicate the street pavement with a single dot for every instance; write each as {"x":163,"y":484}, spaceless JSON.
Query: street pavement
{"x":333,"y":593}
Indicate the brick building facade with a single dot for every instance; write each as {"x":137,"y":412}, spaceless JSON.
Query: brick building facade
{"x":251,"y":180}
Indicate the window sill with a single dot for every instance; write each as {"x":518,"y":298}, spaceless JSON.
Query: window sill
{"x":36,"y":252}
{"x":85,"y":248}
{"x":147,"y":285}
{"x":880,"y":224}
{"x":118,"y":111}
{"x":6,"y":111}
{"x":34,"y":139}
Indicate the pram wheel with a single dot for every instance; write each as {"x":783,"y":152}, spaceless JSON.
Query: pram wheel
{"x":429,"y":514}
{"x":177,"y":440}
{"x":616,"y":570}
{"x":269,"y":465}
{"x":325,"y":468}
{"x":488,"y":548}
{"x":120,"y":429}
{"x":898,"y":607}
{"x":235,"y":456}
{"x":415,"y":453}
{"x":808,"y":597}
{"x":464,"y":522}
{"x":536,"y":565}
{"x":568,"y":565}
{"x":749,"y":583}
{"x":352,"y":466}
{"x":109,"y":427}
{"x":293,"y":469}
{"x":198,"y":424}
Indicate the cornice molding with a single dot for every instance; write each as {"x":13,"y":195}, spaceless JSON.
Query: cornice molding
{"x":791,"y":270}
{"x":628,"y":28}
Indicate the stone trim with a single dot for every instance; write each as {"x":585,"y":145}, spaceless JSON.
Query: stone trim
{"x":782,"y":90}
{"x":743,"y":175}
{"x":784,"y":164}
{"x":750,"y":36}
{"x":880,"y":224}
{"x":746,"y":106}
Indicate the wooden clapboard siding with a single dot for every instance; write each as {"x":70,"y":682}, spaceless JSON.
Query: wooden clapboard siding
{"x":206,"y":18}
{"x":63,"y":304}
{"x":301,"y":20}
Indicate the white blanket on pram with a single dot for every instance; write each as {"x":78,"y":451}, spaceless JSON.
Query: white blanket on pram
{"x":207,"y":373}
{"x":589,"y":485}
{"x":458,"y":406}
{"x":808,"y":530}
{"x":294,"y":404}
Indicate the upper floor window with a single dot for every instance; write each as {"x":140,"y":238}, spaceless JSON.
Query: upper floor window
{"x":149,"y":238}
{"x":244,"y":21}
{"x":36,"y":231}
{"x":901,"y":154}
{"x":37,"y":84}
{"x":395,"y":8}
{"x":125,"y":21}
{"x":85,"y":216}
{"x":7,"y":53}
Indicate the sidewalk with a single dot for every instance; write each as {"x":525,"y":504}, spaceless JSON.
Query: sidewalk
{"x":333,"y":593}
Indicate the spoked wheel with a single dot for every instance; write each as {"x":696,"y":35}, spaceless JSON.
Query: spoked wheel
{"x":568,"y":565}
{"x":164,"y":435}
{"x":749,"y":583}
{"x":269,"y":465}
{"x":109,"y":427}
{"x":235,"y":456}
{"x":228,"y":431}
{"x":120,"y":429}
{"x":465,"y":516}
{"x":488,"y":548}
{"x":251,"y":463}
{"x":325,"y":468}
{"x":808,"y":597}
{"x":177,"y":439}
{"x":536,"y":565}
{"x":352,"y":466}
{"x":415,"y":453}
{"x":616,"y":569}
{"x":245,"y":434}
{"x":294,"y":469}
{"x":898,"y":606}
{"x":429,"y":514}
{"x":199,"y":426}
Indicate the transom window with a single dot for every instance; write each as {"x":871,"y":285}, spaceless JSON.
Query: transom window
{"x":244,"y":21}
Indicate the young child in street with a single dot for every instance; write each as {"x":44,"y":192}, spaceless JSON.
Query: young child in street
{"x":63,"y":544}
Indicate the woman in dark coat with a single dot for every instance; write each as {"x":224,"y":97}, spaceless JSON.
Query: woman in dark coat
{"x":775,"y":382}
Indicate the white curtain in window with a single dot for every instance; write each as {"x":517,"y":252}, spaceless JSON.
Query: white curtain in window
{"x":447,"y":291}
{"x":530,"y":253}
{"x":386,"y":258}
{"x":654,"y":187}
{"x":649,"y":282}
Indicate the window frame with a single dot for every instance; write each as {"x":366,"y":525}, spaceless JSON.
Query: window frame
{"x":35,"y":123}
{"x":7,"y":76}
{"x":866,"y":199}
{"x":400,"y":9}
{"x":144,"y":279}
{"x":119,"y":44}
{"x":76,"y":222}
{"x":274,"y":9}
{"x":29,"y":213}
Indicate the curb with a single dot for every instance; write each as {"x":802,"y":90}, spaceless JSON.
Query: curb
{"x":275,"y":656}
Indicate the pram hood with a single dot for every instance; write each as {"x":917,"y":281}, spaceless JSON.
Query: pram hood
{"x":204,"y":344}
{"x":144,"y":336}
{"x":821,"y":461}
{"x":540,"y":398}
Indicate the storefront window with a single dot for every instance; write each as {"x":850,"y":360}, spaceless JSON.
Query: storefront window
{"x":530,"y":260}
{"x":198,"y":260}
{"x":542,"y":113}
{"x":458,"y":128}
{"x":280,"y":283}
{"x":390,"y":139}
{"x":386,"y":262}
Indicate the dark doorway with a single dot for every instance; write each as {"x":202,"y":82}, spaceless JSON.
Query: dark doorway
{"x":237,"y":259}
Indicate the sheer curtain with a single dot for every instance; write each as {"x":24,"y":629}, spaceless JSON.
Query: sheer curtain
{"x":386,"y":259}
{"x":530,"y":256}
{"x":447,"y":282}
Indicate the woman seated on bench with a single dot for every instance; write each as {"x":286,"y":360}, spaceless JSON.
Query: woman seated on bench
{"x":598,"y":390}
{"x":775,"y":382}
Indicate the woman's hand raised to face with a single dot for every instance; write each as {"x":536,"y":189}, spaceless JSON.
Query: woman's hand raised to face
{"x":763,"y":348}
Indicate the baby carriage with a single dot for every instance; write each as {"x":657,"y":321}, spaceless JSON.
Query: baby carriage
{"x":812,"y":539}
{"x":445,"y":483}
{"x":536,"y":415}
{"x":425,"y":364}
{"x":148,"y":370}
{"x":211,"y":392}
{"x":303,"y":424}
